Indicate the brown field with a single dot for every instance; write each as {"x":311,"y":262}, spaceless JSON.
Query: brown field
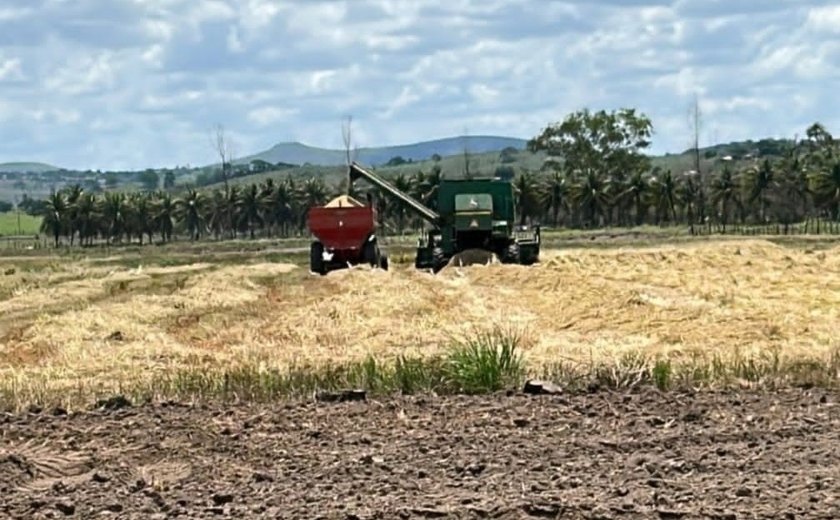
{"x":74,"y":326}
{"x":609,"y":456}
{"x":84,"y":326}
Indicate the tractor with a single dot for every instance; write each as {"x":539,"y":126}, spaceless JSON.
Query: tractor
{"x":471,"y":214}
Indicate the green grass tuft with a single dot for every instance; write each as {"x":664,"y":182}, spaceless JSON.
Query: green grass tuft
{"x":485,"y":362}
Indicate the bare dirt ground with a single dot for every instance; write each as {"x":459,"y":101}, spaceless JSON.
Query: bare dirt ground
{"x":736,"y":455}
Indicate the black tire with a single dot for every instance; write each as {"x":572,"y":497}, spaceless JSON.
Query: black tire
{"x":316,"y":258}
{"x":530,"y":258}
{"x":370,"y":253}
{"x":383,"y":262}
{"x":511,"y":254}
{"x":438,"y":259}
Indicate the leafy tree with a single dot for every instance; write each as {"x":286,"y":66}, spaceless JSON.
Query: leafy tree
{"x":150,"y":180}
{"x":604,"y":144}
{"x":6,"y":206}
{"x":169,"y":180}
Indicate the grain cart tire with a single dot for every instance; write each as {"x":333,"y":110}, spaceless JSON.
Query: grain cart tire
{"x":383,"y":262}
{"x":316,"y":258}
{"x":370,"y":253}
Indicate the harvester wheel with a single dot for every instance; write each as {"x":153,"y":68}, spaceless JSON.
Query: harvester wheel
{"x":316,"y":258}
{"x":438,"y":259}
{"x":512,"y":254}
{"x":383,"y":262}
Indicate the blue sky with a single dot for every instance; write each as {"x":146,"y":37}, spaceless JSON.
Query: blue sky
{"x":141,"y":83}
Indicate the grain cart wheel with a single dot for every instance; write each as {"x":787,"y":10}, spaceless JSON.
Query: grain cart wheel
{"x":370,"y":253}
{"x":316,"y":258}
{"x":383,"y":262}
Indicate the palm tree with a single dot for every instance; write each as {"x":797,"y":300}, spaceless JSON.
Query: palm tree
{"x":825,"y":184}
{"x":527,"y":196}
{"x":759,"y":182}
{"x":664,"y":194}
{"x":591,"y":195}
{"x":724,"y":191}
{"x":313,"y":192}
{"x":164,"y":214}
{"x":141,"y":215}
{"x":86,"y":217}
{"x":556,"y":195}
{"x":690,"y":196}
{"x":279,"y":206}
{"x":72,"y":195}
{"x":636,"y":190}
{"x":190,"y":213}
{"x":250,"y":209}
{"x":214,"y":213}
{"x":114,"y":215}
{"x":55,"y":216}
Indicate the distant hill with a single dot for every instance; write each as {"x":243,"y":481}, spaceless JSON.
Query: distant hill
{"x":27,"y":167}
{"x":745,"y":149}
{"x":298,"y":153}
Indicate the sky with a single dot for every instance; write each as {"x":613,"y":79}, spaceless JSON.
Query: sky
{"x":131,"y":84}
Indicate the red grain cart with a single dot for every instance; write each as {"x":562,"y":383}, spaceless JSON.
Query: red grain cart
{"x":344,"y":231}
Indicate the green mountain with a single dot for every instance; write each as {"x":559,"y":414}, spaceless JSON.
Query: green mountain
{"x":300,"y":154}
{"x":27,"y":167}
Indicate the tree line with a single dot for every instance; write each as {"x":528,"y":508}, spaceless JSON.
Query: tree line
{"x":595,"y":175}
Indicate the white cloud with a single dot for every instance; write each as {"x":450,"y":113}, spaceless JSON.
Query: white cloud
{"x":269,"y":115}
{"x":85,"y":75}
{"x":14,"y":13}
{"x":825,"y":18}
{"x":152,"y":76}
{"x":10,"y":70}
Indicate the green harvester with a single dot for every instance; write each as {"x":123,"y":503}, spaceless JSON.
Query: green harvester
{"x":472,"y":214}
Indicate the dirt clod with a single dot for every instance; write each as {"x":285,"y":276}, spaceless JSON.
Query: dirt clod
{"x":222,"y":498}
{"x":521,"y":422}
{"x":67,"y":508}
{"x":116,"y":402}
{"x":535,"y":387}
{"x":340,"y":397}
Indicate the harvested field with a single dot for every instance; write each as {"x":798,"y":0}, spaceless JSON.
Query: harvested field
{"x":607,"y":455}
{"x":74,"y":329}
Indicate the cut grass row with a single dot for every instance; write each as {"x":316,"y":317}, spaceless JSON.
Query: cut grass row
{"x":487,"y":362}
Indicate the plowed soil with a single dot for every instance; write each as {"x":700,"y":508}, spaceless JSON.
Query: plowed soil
{"x":722,"y":455}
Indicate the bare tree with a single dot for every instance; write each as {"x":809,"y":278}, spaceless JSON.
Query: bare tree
{"x":347,"y":137}
{"x":695,"y":122}
{"x":466,"y":154}
{"x":224,"y":148}
{"x":349,"y":156}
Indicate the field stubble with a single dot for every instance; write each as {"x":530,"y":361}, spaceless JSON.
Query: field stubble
{"x":75,"y":330}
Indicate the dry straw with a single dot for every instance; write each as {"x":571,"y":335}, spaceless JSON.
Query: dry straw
{"x":725,"y":299}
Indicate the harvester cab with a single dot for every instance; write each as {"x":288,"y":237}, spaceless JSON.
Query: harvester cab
{"x":473,"y":215}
